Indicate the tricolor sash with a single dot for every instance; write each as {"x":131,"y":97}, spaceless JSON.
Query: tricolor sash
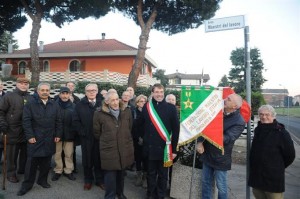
{"x":163,"y":133}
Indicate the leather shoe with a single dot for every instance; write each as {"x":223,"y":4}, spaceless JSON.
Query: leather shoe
{"x":21,"y":192}
{"x":87,"y":186}
{"x":56,"y":176}
{"x":70,"y":176}
{"x":13,"y":179}
{"x":44,"y":185}
{"x":121,"y":196}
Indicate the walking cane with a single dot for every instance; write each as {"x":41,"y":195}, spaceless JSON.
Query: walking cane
{"x":4,"y":161}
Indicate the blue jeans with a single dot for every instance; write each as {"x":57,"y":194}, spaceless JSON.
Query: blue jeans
{"x":208,"y":176}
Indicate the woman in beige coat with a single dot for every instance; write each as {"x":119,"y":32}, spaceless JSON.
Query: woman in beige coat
{"x":112,"y":126}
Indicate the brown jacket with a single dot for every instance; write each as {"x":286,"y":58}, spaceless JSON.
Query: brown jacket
{"x":115,"y":140}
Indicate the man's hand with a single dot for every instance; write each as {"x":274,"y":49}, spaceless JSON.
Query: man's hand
{"x":200,"y":147}
{"x":174,"y":155}
{"x":140,"y":142}
{"x":32,"y":140}
{"x":56,"y":139}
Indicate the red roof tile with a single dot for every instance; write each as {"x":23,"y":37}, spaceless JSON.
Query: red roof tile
{"x":82,"y":46}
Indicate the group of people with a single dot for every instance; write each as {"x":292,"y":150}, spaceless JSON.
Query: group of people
{"x":116,"y":133}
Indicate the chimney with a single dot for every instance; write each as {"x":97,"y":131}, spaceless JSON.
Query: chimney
{"x":41,"y":47}
{"x":103,"y":36}
{"x":10,"y":48}
{"x":63,"y":39}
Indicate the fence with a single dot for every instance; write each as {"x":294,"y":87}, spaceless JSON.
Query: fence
{"x":93,"y":76}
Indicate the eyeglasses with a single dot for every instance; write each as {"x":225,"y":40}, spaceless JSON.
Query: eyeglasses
{"x":264,"y":114}
{"x":91,"y":91}
{"x":142,"y":101}
{"x":44,"y":90}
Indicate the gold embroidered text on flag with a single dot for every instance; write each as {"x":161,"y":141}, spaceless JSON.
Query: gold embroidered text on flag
{"x":201,"y":114}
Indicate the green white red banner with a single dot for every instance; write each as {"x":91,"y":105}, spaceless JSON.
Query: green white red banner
{"x":201,"y":114}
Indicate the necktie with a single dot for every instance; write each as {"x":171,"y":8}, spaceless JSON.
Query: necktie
{"x":93,"y":103}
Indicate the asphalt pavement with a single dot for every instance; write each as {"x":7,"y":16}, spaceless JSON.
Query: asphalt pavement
{"x":66,"y":189}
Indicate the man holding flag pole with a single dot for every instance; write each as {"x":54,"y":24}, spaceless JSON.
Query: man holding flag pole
{"x":161,"y":124}
{"x":215,"y":161}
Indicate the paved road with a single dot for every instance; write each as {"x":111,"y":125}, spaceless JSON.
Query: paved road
{"x":66,"y":189}
{"x":292,"y":124}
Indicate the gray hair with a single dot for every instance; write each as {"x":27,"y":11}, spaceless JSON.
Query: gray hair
{"x":108,"y":95}
{"x":42,"y":84}
{"x":170,"y":95}
{"x":91,"y":84}
{"x":268,"y":108}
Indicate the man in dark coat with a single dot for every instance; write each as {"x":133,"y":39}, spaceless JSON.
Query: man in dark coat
{"x":42,"y":124}
{"x":11,"y":110}
{"x":216,"y":164}
{"x":66,"y":143}
{"x":2,"y":93}
{"x":159,"y":143}
{"x":272,"y":151}
{"x":83,"y":124}
{"x":112,"y":127}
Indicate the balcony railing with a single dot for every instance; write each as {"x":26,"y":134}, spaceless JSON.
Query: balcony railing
{"x":93,"y":76}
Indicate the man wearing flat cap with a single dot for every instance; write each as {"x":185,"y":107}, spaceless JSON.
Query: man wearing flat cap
{"x":66,"y":143}
{"x":11,"y":111}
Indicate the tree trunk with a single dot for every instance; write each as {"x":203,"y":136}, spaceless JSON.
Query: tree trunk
{"x":34,"y":51}
{"x":145,"y":31}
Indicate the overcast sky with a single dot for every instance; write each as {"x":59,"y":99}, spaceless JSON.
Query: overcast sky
{"x":274,"y":30}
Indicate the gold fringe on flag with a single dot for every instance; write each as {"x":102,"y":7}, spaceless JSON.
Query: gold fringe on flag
{"x":215,"y":144}
{"x":168,"y":164}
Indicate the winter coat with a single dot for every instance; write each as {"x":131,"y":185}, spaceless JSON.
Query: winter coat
{"x":154,"y":145}
{"x":83,"y":117}
{"x":67,"y":111}
{"x":11,"y":110}
{"x":271,"y":152}
{"x":115,"y":140}
{"x":83,"y":125}
{"x":44,"y":123}
{"x":233,"y":126}
{"x":137,"y":130}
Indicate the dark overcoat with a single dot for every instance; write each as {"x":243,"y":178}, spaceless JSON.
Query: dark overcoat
{"x":42,"y":122}
{"x":154,"y":145}
{"x":67,"y":110}
{"x":233,"y":126}
{"x":83,"y":125}
{"x":11,"y":110}
{"x":271,"y":152}
{"x":116,"y":144}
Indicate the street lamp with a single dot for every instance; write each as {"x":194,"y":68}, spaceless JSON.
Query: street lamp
{"x":288,"y":106}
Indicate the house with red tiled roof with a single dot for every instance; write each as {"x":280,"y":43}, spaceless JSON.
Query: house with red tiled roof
{"x":86,"y":56}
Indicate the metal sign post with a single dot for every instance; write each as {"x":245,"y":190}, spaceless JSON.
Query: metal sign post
{"x":229,"y":23}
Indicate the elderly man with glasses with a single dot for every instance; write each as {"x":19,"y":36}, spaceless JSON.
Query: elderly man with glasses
{"x":83,"y":123}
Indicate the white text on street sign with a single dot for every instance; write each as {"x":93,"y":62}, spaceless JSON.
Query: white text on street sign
{"x":227,"y":23}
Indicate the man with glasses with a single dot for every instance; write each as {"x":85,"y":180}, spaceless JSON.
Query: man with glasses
{"x":83,"y":124}
{"x":216,"y":164}
{"x":42,"y":124}
{"x":11,"y":110}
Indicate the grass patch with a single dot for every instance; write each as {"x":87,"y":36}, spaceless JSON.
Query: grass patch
{"x":292,"y":111}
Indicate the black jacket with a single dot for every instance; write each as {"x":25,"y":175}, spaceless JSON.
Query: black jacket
{"x":44,"y":123}
{"x":233,"y":126}
{"x":272,"y":151}
{"x":11,"y":110}
{"x":83,"y":117}
{"x":67,"y":111}
{"x":154,"y":145}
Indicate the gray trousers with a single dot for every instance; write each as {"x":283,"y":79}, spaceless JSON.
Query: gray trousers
{"x":16,"y":155}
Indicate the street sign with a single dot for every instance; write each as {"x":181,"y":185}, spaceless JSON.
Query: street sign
{"x":227,"y":23}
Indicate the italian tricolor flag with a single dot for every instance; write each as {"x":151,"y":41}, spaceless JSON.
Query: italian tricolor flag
{"x":201,"y":114}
